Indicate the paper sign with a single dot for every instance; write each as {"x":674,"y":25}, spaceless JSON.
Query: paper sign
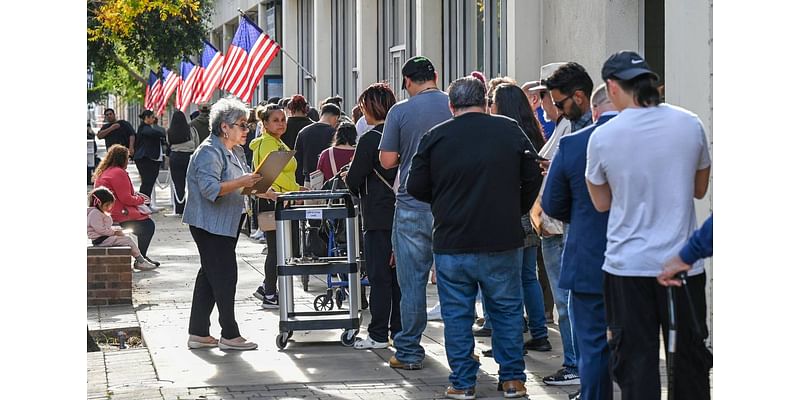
{"x":314,"y":214}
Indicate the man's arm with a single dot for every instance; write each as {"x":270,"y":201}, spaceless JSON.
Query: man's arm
{"x":419,"y":183}
{"x":701,"y":178}
{"x":601,"y":196}
{"x":390,"y":141}
{"x":105,"y":132}
{"x":389,"y":159}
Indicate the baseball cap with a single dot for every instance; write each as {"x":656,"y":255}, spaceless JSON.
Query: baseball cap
{"x":626,"y":65}
{"x":415,"y":66}
{"x":204,"y":107}
{"x":545,"y":72}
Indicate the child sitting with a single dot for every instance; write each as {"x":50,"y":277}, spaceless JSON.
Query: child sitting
{"x":101,"y":231}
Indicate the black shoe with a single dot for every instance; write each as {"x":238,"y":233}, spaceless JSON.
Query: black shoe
{"x":488,"y":353}
{"x":156,"y":263}
{"x":259,"y":293}
{"x":482,"y":332}
{"x":562,"y":378}
{"x":270,"y":301}
{"x":575,"y":396}
{"x":541,"y":344}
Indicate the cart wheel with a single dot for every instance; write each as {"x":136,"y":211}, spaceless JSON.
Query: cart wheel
{"x":349,"y":337}
{"x":281,"y":340}
{"x":340,"y":295}
{"x":323,"y":302}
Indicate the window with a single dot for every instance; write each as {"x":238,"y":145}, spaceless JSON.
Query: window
{"x":343,"y":51}
{"x":397,"y":26}
{"x":305,"y":34}
{"x":474,"y":38}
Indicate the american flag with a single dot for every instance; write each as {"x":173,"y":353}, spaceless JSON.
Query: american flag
{"x":189,"y":74}
{"x":211,"y":63}
{"x":154,"y":92}
{"x":171,"y":81}
{"x":249,"y":55}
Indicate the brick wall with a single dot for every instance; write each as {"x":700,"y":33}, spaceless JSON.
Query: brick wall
{"x":108,"y":275}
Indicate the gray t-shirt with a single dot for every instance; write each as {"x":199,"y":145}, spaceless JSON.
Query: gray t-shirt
{"x":405,"y":124}
{"x":649,"y":158}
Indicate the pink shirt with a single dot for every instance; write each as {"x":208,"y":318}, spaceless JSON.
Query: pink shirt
{"x":340,"y":156}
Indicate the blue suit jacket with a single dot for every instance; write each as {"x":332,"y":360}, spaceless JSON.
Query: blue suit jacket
{"x":566,"y":198}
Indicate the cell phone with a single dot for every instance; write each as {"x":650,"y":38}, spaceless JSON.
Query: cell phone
{"x":535,"y":156}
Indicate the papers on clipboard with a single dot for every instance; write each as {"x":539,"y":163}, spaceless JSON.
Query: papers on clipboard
{"x":270,"y":167}
{"x":316,"y":180}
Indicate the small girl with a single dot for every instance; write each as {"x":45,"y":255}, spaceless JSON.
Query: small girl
{"x":101,"y":231}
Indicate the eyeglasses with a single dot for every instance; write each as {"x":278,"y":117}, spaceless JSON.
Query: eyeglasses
{"x":560,"y":104}
{"x":242,"y":125}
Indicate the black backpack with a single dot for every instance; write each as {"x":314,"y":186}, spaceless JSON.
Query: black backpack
{"x":176,"y":137}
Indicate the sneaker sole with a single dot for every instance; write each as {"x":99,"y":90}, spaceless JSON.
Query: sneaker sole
{"x":568,"y":382}
{"x":514,"y":395}
{"x":459,"y":396}
{"x":407,"y":367}
{"x":377,"y":345}
{"x":252,"y":346}
{"x":259,"y":296}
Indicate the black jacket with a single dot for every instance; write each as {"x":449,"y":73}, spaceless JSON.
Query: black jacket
{"x":148,"y":142}
{"x":310,"y":142}
{"x":377,"y":199}
{"x":479,"y":175}
{"x":293,"y":126}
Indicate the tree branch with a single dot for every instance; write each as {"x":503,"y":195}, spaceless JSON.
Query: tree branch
{"x":125,"y":65}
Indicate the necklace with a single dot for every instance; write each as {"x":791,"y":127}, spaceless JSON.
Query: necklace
{"x":428,"y":89}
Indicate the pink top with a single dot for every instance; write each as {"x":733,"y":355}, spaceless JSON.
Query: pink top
{"x":98,"y":223}
{"x":340,"y":156}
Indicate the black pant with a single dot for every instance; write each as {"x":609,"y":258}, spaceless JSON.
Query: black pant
{"x":178,"y":164}
{"x":384,"y":293}
{"x":545,"y":282}
{"x":215,"y":283}
{"x":144,"y":231}
{"x":148,"y":172}
{"x":271,"y":264}
{"x":635,"y":310}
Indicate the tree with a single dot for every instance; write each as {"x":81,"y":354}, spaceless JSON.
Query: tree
{"x":132,"y":35}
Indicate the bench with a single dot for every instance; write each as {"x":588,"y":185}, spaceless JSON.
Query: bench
{"x":108,"y":275}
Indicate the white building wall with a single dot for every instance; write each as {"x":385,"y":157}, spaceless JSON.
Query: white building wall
{"x":290,"y":45}
{"x":367,"y":43}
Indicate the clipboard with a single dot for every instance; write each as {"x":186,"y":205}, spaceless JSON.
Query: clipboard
{"x":270,"y":167}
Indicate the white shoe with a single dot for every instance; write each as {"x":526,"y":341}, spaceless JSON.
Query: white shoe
{"x":144,"y":265}
{"x":233,"y":344}
{"x":156,"y":209}
{"x":368,"y":343}
{"x":435,"y":313}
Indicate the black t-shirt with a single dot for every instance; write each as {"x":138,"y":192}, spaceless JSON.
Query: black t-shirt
{"x":120,"y":135}
{"x":479,"y":174}
{"x":310,"y":142}
{"x":293,"y":126}
{"x":377,"y":198}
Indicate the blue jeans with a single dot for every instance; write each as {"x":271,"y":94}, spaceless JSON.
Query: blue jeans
{"x":413,"y":250}
{"x":531,"y":294}
{"x":552,"y":248}
{"x":498,"y":276}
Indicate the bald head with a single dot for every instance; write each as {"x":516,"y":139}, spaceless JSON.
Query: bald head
{"x":600,"y":102}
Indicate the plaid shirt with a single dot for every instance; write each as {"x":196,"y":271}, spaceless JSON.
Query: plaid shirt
{"x":583,"y":122}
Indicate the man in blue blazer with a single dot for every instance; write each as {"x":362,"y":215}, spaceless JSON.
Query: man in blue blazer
{"x":566,"y":198}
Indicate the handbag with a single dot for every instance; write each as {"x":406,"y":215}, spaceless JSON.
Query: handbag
{"x":266,"y":221}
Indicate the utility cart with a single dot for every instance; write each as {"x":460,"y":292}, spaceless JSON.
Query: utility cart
{"x":338,"y":205}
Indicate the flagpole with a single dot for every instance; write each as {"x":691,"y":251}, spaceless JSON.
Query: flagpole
{"x":313,"y":77}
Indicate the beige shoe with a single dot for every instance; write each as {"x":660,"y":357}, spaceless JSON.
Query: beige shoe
{"x":239,"y":343}
{"x":144,"y":265}
{"x":200,"y":342}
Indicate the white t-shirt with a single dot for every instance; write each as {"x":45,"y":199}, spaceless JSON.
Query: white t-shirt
{"x":649,"y":157}
{"x":362,"y":127}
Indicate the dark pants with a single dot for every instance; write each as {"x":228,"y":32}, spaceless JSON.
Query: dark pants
{"x":271,"y":264}
{"x":144,"y":231}
{"x":549,"y":303}
{"x":635,"y":310}
{"x":178,"y":164}
{"x":384,"y":294}
{"x":215,"y":283}
{"x":589,"y":326}
{"x":148,"y":172}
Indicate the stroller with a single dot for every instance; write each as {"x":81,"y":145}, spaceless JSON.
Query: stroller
{"x":333,"y":233}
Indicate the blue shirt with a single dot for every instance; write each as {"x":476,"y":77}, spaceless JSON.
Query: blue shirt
{"x":700,"y":245}
{"x":547,"y":126}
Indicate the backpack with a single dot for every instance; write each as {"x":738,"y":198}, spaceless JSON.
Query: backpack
{"x":175,"y":137}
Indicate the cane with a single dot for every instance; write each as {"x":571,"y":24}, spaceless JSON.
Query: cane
{"x":671,"y":343}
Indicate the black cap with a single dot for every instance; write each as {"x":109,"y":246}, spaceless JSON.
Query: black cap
{"x":415,"y":66}
{"x":626,"y":65}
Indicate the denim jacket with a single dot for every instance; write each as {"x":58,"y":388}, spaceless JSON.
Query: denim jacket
{"x":210,"y":165}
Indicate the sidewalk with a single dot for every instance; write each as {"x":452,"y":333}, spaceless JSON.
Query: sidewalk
{"x":314,"y":365}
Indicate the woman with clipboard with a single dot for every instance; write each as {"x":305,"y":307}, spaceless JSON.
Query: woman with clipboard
{"x":273,"y":122}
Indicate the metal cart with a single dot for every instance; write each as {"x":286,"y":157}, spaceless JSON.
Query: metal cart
{"x":338,"y":205}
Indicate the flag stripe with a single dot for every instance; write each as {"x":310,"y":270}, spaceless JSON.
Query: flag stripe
{"x":248,"y":56}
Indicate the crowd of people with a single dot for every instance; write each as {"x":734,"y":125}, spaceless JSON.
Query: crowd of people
{"x":556,"y":188}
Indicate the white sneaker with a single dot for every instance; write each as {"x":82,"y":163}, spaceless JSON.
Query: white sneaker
{"x":368,"y":343}
{"x":156,"y":209}
{"x":435,"y":313}
{"x":144,"y":265}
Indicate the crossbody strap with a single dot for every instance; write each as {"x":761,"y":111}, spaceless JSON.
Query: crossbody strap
{"x":385,"y":182}
{"x":334,"y":170}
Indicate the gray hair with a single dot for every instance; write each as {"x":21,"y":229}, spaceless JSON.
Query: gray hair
{"x":227,"y":110}
{"x":467,"y":92}
{"x":599,"y":96}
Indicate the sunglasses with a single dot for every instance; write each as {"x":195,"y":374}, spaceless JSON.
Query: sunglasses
{"x":560,"y":104}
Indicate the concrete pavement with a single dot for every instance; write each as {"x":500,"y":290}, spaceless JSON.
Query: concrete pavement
{"x":314,"y":364}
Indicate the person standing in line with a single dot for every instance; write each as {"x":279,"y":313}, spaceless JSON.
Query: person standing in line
{"x":149,"y":154}
{"x":412,"y":227}
{"x":117,"y":131}
{"x":647,"y":166}
{"x":201,"y":122}
{"x":215,"y":210}
{"x":312,"y":140}
{"x":341,"y":151}
{"x":297,"y":119}
{"x":183,"y":140}
{"x":566,"y":198}
{"x":485,"y":164}
{"x":700,"y":245}
{"x":368,"y":180}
